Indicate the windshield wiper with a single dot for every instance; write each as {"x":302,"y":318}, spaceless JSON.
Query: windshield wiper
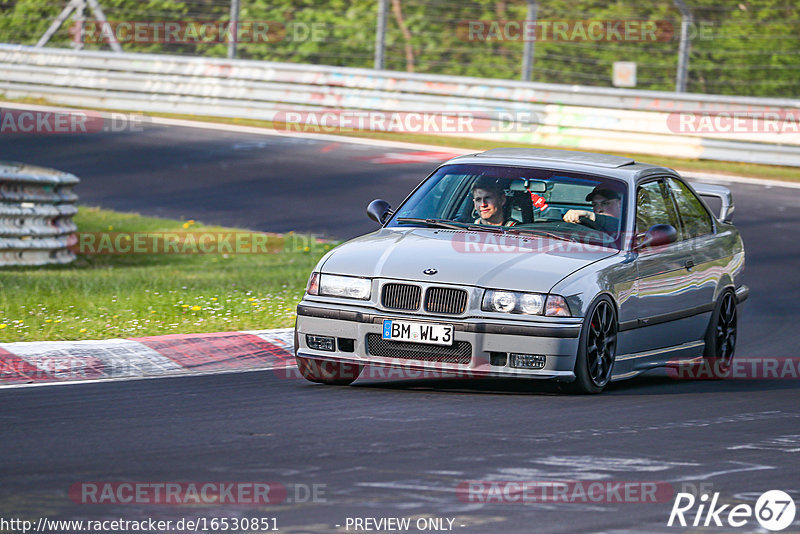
{"x":431,"y":222}
{"x":520,"y":231}
{"x":442,"y":223}
{"x":487,"y":228}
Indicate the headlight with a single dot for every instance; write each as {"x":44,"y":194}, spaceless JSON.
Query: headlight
{"x":524,"y":303}
{"x":344,"y":286}
{"x":501,"y":301}
{"x":531,"y":303}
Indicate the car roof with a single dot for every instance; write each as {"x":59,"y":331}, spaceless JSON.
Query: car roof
{"x":566,"y":160}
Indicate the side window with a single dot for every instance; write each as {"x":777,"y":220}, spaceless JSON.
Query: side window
{"x":696,"y":220}
{"x":653,"y":206}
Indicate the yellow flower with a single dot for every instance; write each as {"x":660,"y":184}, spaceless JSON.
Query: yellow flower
{"x":116,"y":316}
{"x":152,"y":311}
{"x":110,"y":227}
{"x":184,"y":305}
{"x":58,"y":320}
{"x":82,"y":330}
{"x":306,"y":249}
{"x":3,"y":326}
{"x":255,"y":304}
{"x":251,"y":299}
{"x":48,"y":320}
{"x":213,"y":298}
{"x":196,"y":308}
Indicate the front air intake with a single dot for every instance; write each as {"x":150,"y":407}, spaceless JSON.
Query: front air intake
{"x":445,"y":300}
{"x":401,"y":296}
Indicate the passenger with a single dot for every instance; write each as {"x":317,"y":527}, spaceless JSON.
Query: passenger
{"x":606,"y":210}
{"x":489,"y":199}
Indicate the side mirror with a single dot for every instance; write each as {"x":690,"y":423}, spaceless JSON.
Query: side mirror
{"x":378,"y":210}
{"x":658,"y":235}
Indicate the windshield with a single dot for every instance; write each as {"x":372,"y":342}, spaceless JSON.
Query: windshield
{"x":564,"y":205}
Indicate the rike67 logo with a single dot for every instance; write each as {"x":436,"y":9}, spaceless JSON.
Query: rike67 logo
{"x":774,"y":510}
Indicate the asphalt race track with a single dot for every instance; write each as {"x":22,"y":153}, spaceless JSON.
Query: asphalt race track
{"x":268,"y":183}
{"x":387,"y":447}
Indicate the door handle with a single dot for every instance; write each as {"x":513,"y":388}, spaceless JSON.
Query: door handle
{"x":689,"y":265}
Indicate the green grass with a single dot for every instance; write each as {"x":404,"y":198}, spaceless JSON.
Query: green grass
{"x":105,"y":296}
{"x":772,"y":172}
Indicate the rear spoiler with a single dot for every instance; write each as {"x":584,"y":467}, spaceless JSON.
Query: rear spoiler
{"x":720,"y":192}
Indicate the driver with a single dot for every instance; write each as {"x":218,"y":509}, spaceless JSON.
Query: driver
{"x":606,"y":209}
{"x":489,"y":199}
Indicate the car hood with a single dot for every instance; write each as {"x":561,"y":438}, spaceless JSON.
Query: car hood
{"x":484,"y":259}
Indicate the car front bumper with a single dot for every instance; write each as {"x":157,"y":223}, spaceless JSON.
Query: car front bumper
{"x":489,"y":341}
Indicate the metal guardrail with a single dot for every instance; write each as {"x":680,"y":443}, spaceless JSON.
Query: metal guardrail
{"x":36,"y":209}
{"x":586,"y":118}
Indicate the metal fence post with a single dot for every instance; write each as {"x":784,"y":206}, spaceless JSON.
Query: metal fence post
{"x":380,"y":34}
{"x":78,"y":6}
{"x":80,"y":19}
{"x":683,"y":49}
{"x":98,"y":13}
{"x":233,"y":41}
{"x":527,"y":55}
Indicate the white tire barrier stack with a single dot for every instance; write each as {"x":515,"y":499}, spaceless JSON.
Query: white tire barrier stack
{"x":36,"y":210}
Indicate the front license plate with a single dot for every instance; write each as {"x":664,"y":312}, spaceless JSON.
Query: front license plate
{"x":437,"y":334}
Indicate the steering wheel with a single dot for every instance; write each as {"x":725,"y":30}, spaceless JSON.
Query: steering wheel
{"x":586,"y":221}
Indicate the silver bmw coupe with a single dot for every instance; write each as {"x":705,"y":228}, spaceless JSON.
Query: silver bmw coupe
{"x":530,"y":263}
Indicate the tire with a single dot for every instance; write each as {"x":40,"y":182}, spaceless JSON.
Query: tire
{"x":328,"y":372}
{"x":721,"y":336}
{"x":597,"y":348}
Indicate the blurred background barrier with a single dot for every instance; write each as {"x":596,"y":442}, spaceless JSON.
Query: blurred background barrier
{"x":686,"y":125}
{"x":742,"y":47}
{"x":36,"y":210}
